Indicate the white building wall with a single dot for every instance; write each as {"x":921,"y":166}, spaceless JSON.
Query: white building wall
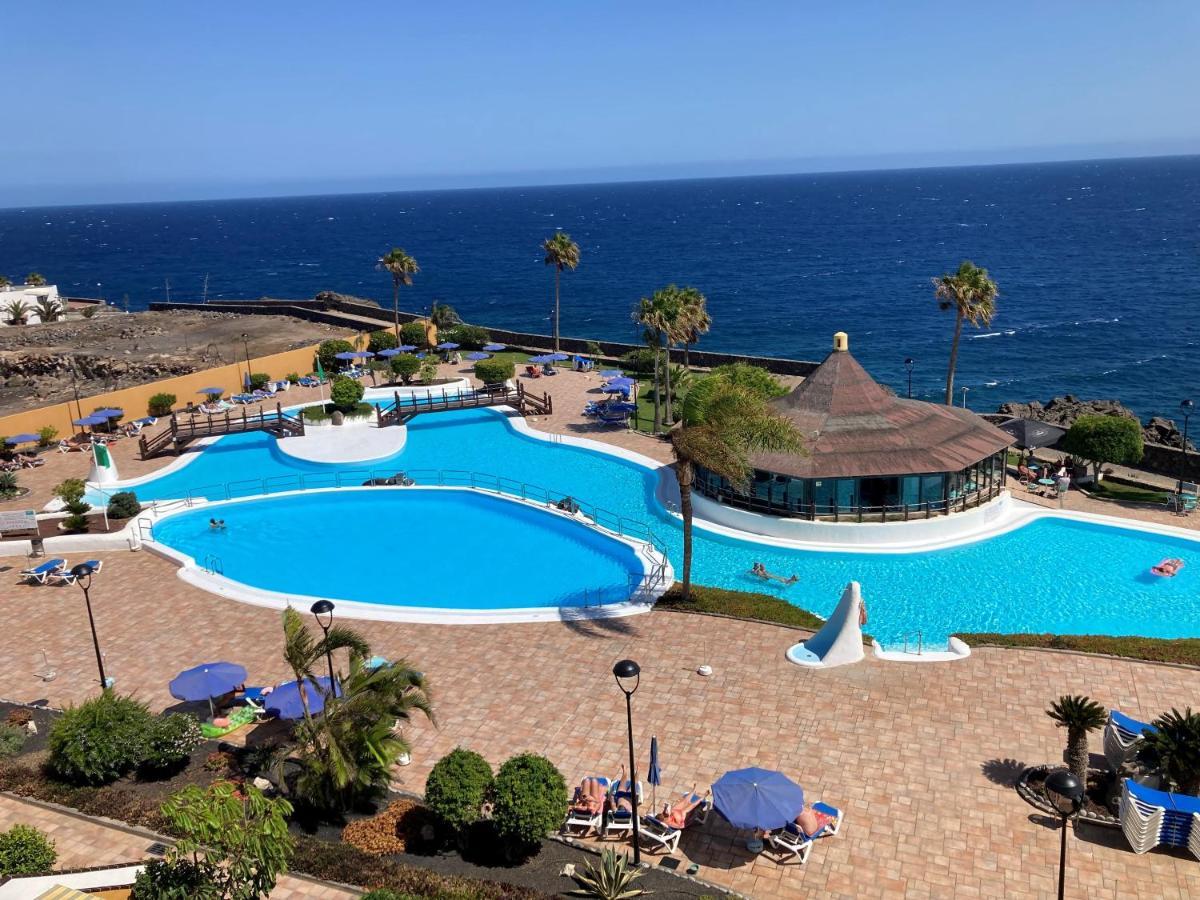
{"x":30,"y":295}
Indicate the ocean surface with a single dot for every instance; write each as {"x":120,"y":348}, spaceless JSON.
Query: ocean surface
{"x":1098,"y":264}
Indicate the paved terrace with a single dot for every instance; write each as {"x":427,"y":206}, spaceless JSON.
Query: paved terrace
{"x":921,"y":757}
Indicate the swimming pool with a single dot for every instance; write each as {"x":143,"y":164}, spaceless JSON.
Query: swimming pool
{"x":1053,"y":575}
{"x":429,"y":548}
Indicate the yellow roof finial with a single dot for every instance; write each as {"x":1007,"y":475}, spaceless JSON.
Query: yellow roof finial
{"x":841,"y":341}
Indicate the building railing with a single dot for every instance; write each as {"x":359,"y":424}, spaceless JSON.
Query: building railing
{"x":824,"y":512}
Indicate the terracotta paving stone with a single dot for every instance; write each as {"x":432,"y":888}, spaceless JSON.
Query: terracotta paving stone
{"x":911,"y":752}
{"x":83,"y":844}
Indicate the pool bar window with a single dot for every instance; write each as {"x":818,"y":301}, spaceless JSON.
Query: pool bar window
{"x":889,"y":498}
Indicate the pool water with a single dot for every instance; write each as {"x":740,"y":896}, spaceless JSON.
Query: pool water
{"x":429,"y":548}
{"x":1053,"y":575}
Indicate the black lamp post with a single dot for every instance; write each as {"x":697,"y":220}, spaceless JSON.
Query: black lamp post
{"x":1186,"y":408}
{"x":82,"y":574}
{"x":1066,"y":793}
{"x":322,"y":610}
{"x":624,"y":671}
{"x":909,"y":362}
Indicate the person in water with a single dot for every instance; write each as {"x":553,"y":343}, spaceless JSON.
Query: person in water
{"x":216,"y":524}
{"x":760,"y":571}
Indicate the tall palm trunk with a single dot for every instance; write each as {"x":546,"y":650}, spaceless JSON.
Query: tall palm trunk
{"x":1077,"y":753}
{"x":687,"y":348}
{"x":657,"y":399}
{"x":668,"y":418}
{"x":685,"y":474}
{"x":396,"y":307}
{"x":958,"y":323}
{"x":557,"y":277}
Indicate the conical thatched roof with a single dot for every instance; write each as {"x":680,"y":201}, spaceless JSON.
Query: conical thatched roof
{"x":854,"y":427}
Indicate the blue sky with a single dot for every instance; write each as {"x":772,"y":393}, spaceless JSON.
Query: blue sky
{"x":152,"y":100}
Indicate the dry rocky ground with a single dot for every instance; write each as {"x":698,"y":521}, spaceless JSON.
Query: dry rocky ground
{"x":123,"y":349}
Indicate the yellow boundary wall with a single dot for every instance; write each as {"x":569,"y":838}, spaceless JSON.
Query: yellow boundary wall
{"x":134,"y":400}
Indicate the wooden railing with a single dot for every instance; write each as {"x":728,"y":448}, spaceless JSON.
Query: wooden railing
{"x":493,"y":395}
{"x":182,"y":431}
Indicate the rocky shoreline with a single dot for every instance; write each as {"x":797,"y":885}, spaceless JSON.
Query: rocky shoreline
{"x":1063,"y":411}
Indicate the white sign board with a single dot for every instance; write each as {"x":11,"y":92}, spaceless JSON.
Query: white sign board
{"x":18,"y":520}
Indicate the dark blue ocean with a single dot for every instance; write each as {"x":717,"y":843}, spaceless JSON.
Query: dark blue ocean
{"x":1098,"y":264}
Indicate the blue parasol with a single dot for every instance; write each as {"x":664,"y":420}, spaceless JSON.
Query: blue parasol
{"x":559,"y":357}
{"x":447,"y":345}
{"x":21,"y":439}
{"x":109,"y":413}
{"x":540,"y":360}
{"x":478,"y":355}
{"x":407,"y":348}
{"x":621,"y":382}
{"x":494,"y":348}
{"x":90,"y":420}
{"x":211,"y":390}
{"x":393,"y":351}
{"x":653,"y":772}
{"x":345,"y":354}
{"x":284,"y":701}
{"x":757,"y":798}
{"x":612,"y":373}
{"x":363,"y":354}
{"x":207,"y":680}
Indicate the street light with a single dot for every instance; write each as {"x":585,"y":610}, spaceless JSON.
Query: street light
{"x":246,"y":344}
{"x":1066,"y":793}
{"x":322,"y":611}
{"x":82,"y":574}
{"x":623,"y":671}
{"x":1186,"y":408}
{"x":964,"y":396}
{"x":909,"y":362}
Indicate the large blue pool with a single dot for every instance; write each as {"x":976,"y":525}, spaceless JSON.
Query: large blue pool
{"x":430,"y":548}
{"x":1050,"y":576}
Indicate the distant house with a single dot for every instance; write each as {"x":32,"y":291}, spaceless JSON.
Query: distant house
{"x":27,"y":299}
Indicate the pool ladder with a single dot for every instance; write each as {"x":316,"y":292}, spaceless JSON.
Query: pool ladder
{"x":212,"y":565}
{"x":920,"y":641}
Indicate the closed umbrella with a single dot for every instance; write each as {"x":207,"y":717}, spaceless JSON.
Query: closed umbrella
{"x":1031,"y":434}
{"x":654,"y":773}
{"x":284,"y":701}
{"x":758,"y":799}
{"x":207,"y":680}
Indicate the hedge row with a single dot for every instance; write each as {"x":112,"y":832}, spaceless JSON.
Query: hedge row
{"x":1185,"y":651}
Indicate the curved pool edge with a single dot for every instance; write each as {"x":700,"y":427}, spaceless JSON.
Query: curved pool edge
{"x":642,"y":600}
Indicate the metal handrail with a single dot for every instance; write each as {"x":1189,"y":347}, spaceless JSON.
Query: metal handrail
{"x":920,"y":641}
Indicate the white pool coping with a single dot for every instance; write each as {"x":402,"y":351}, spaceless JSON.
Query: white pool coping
{"x":328,"y":443}
{"x":641,"y":601}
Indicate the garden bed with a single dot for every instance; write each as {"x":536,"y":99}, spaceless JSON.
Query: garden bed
{"x":739,"y":605}
{"x":1098,"y":801}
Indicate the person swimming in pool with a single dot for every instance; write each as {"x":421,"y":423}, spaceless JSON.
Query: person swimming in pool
{"x":216,"y":524}
{"x":760,"y":571}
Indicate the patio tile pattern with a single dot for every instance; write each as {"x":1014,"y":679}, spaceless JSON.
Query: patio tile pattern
{"x":84,"y":844}
{"x":920,"y":757}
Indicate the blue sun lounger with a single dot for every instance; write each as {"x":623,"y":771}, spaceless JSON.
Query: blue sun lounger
{"x":64,"y":576}
{"x":41,"y":574}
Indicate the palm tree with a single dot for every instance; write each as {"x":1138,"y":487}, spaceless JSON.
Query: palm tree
{"x":4,"y":282}
{"x":18,"y":312}
{"x":1079,"y":715}
{"x":694,"y":320}
{"x":36,"y":279}
{"x":562,"y":253}
{"x":444,"y":316}
{"x":1174,"y":749}
{"x":402,"y":268}
{"x":723,"y":423}
{"x":48,"y":309}
{"x":972,"y":296}
{"x":303,"y":653}
{"x":649,"y":315}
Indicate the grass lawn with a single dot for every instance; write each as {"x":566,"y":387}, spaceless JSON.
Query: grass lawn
{"x":1181,"y":650}
{"x":1111,"y":490}
{"x":740,"y":605}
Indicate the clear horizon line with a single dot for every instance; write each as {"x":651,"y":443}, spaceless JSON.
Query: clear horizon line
{"x":592,"y":177}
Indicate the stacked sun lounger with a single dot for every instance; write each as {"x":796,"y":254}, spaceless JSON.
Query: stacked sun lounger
{"x":1122,"y":735}
{"x":1150,"y":818}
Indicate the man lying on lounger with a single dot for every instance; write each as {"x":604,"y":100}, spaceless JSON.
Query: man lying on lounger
{"x":760,"y":571}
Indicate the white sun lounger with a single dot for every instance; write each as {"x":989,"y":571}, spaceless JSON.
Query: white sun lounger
{"x":791,"y":841}
{"x":620,"y":821}
{"x":577,"y":817}
{"x":662,"y":835}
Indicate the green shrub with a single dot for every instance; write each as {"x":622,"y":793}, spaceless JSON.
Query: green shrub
{"x":161,"y":404}
{"x":1184,"y":651}
{"x":457,"y":787}
{"x":381,"y":340}
{"x":71,"y":490}
{"x":99,"y":740}
{"x":530,"y":800}
{"x":46,"y":435}
{"x":413,"y":333}
{"x":494,"y":371}
{"x":405,"y":366}
{"x":429,"y":370}
{"x":258,"y":380}
{"x":1105,"y":440}
{"x":12,"y":739}
{"x":473,"y":337}
{"x":76,"y":522}
{"x":170,"y":743}
{"x":25,"y":851}
{"x":346,"y":392}
{"x":293,"y":377}
{"x":756,"y":379}
{"x":328,"y":351}
{"x":386,"y":894}
{"x":8,"y":484}
{"x":123,"y":505}
{"x":179,"y":880}
{"x":640,"y":361}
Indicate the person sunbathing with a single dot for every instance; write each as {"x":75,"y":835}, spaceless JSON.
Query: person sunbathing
{"x":811,"y":823}
{"x":676,"y":816}
{"x":589,"y":797}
